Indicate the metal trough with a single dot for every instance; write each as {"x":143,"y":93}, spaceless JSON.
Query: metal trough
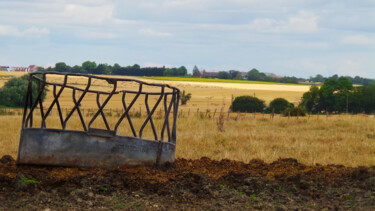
{"x":96,"y":147}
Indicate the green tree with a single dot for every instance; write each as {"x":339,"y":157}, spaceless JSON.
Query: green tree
{"x":223,"y":75}
{"x":310,"y":100}
{"x":247,"y":104}
{"x":362,"y":99}
{"x":181,"y":71}
{"x":255,"y":75}
{"x":278,"y":105}
{"x":89,"y":67}
{"x":234,"y":74}
{"x":13,"y":94}
{"x":102,"y":69}
{"x":334,"y":94}
{"x":61,"y":67}
{"x":168,"y":72}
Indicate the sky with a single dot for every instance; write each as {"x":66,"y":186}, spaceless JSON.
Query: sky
{"x":288,"y":37}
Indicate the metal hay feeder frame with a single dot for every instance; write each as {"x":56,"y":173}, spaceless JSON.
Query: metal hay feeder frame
{"x":94,"y":147}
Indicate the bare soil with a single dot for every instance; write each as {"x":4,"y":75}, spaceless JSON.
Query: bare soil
{"x":202,"y":184}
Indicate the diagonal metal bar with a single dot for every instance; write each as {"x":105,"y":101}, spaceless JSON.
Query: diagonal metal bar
{"x":58,"y":107}
{"x":104,"y":104}
{"x":78,"y":110}
{"x":76,"y":106}
{"x":130,"y":106}
{"x":128,"y":116}
{"x":34,"y":104}
{"x":151,"y":121}
{"x":167,"y":111}
{"x":152,"y":111}
{"x":175,"y":110}
{"x":101,"y":111}
{"x":41,"y":104}
{"x":24,"y":122}
{"x":56,"y":98}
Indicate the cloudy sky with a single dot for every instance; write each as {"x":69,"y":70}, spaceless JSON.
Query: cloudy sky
{"x":286,"y":37}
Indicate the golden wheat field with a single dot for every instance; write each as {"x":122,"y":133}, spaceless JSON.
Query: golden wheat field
{"x":344,"y":139}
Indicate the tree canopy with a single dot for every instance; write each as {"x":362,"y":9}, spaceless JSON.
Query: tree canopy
{"x":247,"y":104}
{"x":339,"y":95}
{"x":13,"y":93}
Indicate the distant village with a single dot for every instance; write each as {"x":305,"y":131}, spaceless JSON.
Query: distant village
{"x":31,"y":68}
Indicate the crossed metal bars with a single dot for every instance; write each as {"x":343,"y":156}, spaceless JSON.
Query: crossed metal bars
{"x":40,"y":79}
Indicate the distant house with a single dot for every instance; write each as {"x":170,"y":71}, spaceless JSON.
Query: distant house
{"x":204,"y":74}
{"x":272,"y":75}
{"x":4,"y":68}
{"x":20,"y":69}
{"x":31,"y":68}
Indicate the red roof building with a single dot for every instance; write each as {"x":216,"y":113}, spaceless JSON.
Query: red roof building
{"x":31,"y":68}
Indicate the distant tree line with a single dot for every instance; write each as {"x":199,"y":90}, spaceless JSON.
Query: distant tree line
{"x":355,"y":80}
{"x":339,"y":95}
{"x":255,"y":75}
{"x":90,"y":67}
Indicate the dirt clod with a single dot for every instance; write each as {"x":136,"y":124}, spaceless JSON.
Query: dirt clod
{"x":203,"y":184}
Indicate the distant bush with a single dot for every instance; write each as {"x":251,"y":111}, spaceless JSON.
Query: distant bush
{"x":278,"y":105}
{"x":295,"y":111}
{"x":13,"y":94}
{"x":247,"y":104}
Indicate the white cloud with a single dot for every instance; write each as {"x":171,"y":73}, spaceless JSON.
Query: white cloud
{"x":303,"y":22}
{"x":29,"y":32}
{"x":35,"y":31}
{"x":153,"y":33}
{"x":88,"y":14}
{"x":357,"y":40}
{"x":8,"y":31}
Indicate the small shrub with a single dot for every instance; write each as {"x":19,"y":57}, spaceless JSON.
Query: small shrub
{"x":247,"y":104}
{"x":184,"y":97}
{"x":278,"y":105}
{"x":295,"y":111}
{"x":220,"y":121}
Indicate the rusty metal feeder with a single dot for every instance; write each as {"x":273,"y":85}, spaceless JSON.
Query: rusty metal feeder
{"x":93,"y":147}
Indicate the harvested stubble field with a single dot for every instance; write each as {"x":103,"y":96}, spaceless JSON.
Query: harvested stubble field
{"x":251,"y":176}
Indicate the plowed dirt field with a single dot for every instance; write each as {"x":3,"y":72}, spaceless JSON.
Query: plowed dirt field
{"x":202,"y":184}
